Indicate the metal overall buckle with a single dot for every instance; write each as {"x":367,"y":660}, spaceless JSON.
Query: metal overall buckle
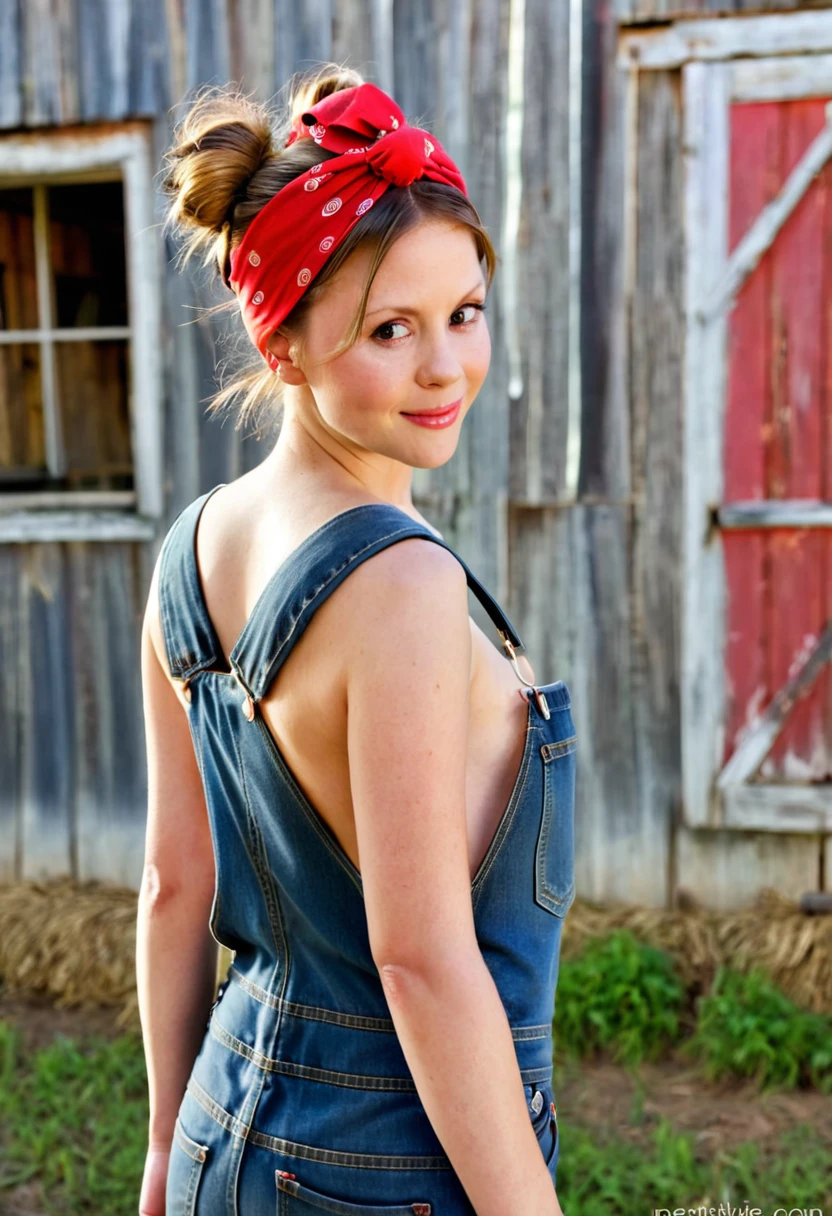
{"x":540,"y":698}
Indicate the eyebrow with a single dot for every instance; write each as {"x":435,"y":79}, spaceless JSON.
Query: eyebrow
{"x":413,"y":312}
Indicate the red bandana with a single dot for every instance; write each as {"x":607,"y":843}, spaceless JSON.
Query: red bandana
{"x":290,"y":239}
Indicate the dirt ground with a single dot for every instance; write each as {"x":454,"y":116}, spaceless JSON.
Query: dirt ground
{"x":600,"y":1096}
{"x":605,"y":1097}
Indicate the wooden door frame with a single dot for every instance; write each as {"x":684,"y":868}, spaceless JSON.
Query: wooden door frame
{"x":714,"y":798}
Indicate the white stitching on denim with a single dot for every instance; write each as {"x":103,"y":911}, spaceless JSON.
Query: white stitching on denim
{"x":290,"y":1068}
{"x":313,"y":1012}
{"x":265,"y":878}
{"x":545,"y":897}
{"x":508,"y":818}
{"x":303,"y":803}
{"x":558,"y":747}
{"x":353,"y":1021}
{"x":334,"y":574}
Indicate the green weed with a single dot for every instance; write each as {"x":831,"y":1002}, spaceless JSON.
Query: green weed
{"x":76,"y":1121}
{"x":748,"y":1027}
{"x":619,"y":995}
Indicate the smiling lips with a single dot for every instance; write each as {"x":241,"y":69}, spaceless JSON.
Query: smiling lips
{"x":437,"y":418}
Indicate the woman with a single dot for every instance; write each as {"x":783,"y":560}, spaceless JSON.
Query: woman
{"x":345,"y":787}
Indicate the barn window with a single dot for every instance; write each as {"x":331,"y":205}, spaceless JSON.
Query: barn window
{"x":80,"y":411}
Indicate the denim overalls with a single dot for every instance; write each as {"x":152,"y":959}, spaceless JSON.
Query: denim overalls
{"x":300,"y":1101}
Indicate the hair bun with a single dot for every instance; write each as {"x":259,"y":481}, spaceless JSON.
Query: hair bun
{"x":218,"y":147}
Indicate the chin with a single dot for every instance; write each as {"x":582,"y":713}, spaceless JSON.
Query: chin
{"x":431,"y":458}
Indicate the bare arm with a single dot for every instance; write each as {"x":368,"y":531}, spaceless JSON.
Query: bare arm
{"x":176,"y":955}
{"x":409,"y":656}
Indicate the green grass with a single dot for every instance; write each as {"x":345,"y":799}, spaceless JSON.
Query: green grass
{"x":619,"y":996}
{"x":76,"y":1121}
{"x":612,"y":1177}
{"x":747,"y":1027}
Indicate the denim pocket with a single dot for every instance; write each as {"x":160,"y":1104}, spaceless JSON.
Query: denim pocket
{"x":554,"y":869}
{"x":185,"y":1166}
{"x":295,"y":1199}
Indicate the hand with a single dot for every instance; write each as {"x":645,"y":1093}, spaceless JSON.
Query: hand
{"x":154,"y":1181}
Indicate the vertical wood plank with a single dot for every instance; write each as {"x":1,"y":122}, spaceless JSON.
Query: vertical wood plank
{"x":705,"y":145}
{"x":355,"y":38}
{"x":150,"y":46}
{"x":41,"y":58}
{"x":484,"y":445}
{"x":755,"y":153}
{"x":48,"y":746}
{"x":11,"y":81}
{"x":12,"y":652}
{"x":415,"y":62}
{"x":252,"y":46}
{"x":539,"y":417}
{"x":303,"y":35}
{"x":105,"y":45}
{"x":207,"y":43}
{"x":570,"y":571}
{"x":796,"y":559}
{"x":656,"y":380}
{"x":110,"y":763}
{"x":605,"y":458}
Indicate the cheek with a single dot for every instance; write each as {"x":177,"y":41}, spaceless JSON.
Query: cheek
{"x":479,"y":360}
{"x":370,"y":378}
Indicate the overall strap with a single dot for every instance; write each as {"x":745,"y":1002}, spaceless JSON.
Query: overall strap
{"x":190,"y":639}
{"x":314,"y":570}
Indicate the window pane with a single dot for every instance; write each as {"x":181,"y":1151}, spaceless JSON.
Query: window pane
{"x":86,"y":232}
{"x":92,"y":382}
{"x":18,"y":295}
{"x":21,"y":415}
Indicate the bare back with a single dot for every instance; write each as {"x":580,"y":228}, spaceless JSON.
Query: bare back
{"x":239,"y":545}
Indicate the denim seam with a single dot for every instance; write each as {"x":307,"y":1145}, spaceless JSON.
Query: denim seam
{"x":302,"y":801}
{"x":560,"y":747}
{"x":313,"y":1012}
{"x":268,"y":891}
{"x":167,"y":626}
{"x":366,"y":1161}
{"x":192,"y":1147}
{"x":377,"y":540}
{"x":328,"y":1076}
{"x":290,"y":1068}
{"x":264,"y":877}
{"x":183,"y":664}
{"x":293,"y":1148}
{"x":502,"y":831}
{"x":543,"y":892}
{"x":354,"y":1021}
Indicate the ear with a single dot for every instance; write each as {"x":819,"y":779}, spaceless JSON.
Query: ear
{"x":289,"y":371}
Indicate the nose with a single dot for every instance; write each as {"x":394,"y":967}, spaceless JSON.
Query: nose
{"x":440,"y":365}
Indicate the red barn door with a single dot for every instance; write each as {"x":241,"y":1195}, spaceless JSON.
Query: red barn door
{"x":760,"y":305}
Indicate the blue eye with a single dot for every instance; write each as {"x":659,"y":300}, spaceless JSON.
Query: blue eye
{"x":388,"y":325}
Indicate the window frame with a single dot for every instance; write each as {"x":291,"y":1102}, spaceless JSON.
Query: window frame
{"x":35,"y":160}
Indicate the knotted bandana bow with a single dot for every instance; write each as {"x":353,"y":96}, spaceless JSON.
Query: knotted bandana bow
{"x":290,"y":239}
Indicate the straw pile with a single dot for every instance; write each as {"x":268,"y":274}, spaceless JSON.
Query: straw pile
{"x":772,"y":932}
{"x":76,"y":943}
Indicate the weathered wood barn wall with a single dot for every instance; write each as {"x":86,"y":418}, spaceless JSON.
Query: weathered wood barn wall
{"x":567,"y":494}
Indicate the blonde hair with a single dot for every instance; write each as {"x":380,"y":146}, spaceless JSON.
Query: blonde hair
{"x":228,"y":159}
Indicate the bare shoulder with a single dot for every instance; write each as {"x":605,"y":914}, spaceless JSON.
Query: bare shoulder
{"x":411,"y":579}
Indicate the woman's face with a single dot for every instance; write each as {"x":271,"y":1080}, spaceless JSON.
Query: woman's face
{"x":423,"y":345}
